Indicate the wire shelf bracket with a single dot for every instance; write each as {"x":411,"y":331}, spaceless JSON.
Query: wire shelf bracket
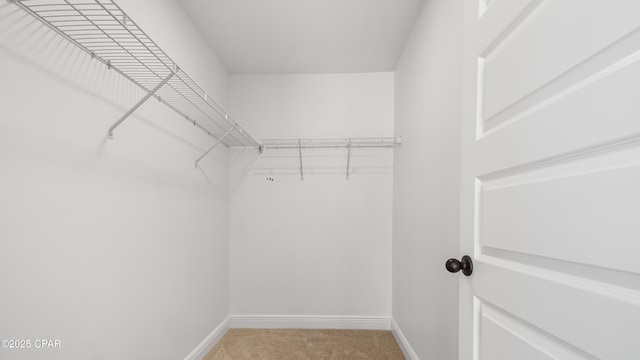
{"x":214,"y":146}
{"x":300,"y":152}
{"x":329,"y":143}
{"x":348,"y":157}
{"x":105,"y":32}
{"x":137,"y":105}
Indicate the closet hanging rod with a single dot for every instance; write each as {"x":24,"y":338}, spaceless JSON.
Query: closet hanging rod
{"x":105,"y":32}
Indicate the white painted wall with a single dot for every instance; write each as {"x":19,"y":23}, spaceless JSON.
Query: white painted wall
{"x":318,"y":247}
{"x":117,"y":248}
{"x":425,"y":198}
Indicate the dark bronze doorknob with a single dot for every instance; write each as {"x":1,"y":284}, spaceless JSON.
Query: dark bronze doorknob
{"x":465,"y":264}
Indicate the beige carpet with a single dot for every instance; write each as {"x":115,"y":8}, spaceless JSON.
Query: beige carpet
{"x":261,"y":344}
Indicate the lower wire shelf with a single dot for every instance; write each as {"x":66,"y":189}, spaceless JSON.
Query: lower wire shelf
{"x":330,"y":143}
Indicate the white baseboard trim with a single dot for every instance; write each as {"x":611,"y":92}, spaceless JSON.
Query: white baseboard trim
{"x":406,"y":348}
{"x":210,"y":341}
{"x":310,"y":322}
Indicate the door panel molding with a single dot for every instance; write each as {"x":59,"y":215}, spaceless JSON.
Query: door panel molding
{"x":521,"y":340}
{"x":602,"y":322}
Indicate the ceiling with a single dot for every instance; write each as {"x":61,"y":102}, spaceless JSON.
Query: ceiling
{"x":305,"y":36}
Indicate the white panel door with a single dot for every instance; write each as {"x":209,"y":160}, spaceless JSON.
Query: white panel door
{"x":551,"y":180}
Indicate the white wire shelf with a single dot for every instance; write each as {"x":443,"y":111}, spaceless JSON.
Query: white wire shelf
{"x":369,"y":142}
{"x":330,"y":143}
{"x":105,"y":31}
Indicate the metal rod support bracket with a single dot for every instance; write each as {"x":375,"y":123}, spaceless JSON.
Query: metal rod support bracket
{"x":348,"y":157}
{"x":216,"y":144}
{"x":139,"y":103}
{"x":300,"y":152}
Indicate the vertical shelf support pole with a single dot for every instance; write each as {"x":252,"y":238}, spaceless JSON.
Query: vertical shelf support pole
{"x":136,"y":106}
{"x":348,"y":157}
{"x":216,"y":144}
{"x":300,"y":152}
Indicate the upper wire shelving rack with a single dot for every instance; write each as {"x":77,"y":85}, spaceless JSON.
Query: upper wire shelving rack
{"x":105,"y":31}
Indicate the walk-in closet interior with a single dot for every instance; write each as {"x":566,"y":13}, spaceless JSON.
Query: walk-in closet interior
{"x":173,"y":169}
{"x":319,"y":179}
